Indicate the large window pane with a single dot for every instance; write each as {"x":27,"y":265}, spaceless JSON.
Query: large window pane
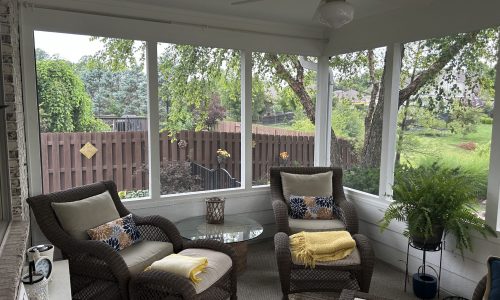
{"x":200,"y":141}
{"x":357,"y":117}
{"x":282,"y":127}
{"x":92,"y":112}
{"x":448,"y":118}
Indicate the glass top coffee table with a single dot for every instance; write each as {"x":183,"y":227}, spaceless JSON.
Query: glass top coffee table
{"x":235,"y":231}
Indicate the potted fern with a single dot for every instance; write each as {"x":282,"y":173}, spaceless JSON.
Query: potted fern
{"x":435,"y":199}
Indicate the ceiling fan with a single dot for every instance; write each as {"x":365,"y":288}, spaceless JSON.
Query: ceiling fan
{"x":331,"y":13}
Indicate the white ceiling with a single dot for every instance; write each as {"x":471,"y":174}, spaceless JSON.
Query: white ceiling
{"x":297,"y":12}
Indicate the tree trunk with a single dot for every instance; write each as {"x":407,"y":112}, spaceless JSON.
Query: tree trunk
{"x":371,"y":153}
{"x":297,"y":85}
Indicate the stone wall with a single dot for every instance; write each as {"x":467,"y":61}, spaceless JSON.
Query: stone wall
{"x":13,"y":246}
{"x":9,"y":31}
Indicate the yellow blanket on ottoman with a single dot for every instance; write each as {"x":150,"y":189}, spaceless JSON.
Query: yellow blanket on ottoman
{"x":326,"y":246}
{"x":182,"y":265}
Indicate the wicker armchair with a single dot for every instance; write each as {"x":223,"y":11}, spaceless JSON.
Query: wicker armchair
{"x":99,"y":272}
{"x":351,"y":273}
{"x":280,"y":205}
{"x":480,"y":289}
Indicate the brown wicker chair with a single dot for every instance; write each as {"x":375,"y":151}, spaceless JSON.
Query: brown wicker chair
{"x":280,"y":207}
{"x":296,"y":278}
{"x":99,"y":272}
{"x":480,"y":289}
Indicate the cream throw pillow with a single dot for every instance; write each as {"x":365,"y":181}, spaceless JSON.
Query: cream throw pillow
{"x":79,"y":216}
{"x":306,"y":184}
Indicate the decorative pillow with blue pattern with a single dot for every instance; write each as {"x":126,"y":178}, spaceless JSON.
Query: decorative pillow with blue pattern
{"x":311,"y":207}
{"x":119,"y":234}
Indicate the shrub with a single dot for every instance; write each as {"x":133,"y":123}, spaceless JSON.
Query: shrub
{"x":176,"y":177}
{"x":486,"y":120}
{"x":133,"y":194}
{"x":469,"y":146}
{"x":363,"y":179}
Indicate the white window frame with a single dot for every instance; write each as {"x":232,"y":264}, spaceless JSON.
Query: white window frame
{"x":42,"y":19}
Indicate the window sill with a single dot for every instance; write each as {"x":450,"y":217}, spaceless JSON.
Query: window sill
{"x":194,"y":197}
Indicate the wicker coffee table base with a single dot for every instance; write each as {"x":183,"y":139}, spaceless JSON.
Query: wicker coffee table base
{"x":241,"y":249}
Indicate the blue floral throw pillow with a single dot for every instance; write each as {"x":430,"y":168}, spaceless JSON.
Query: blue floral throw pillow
{"x":311,"y":207}
{"x":119,"y":234}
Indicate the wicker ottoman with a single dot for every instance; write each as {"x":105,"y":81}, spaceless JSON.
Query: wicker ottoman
{"x":215,"y":281}
{"x":325,"y":277}
{"x":350,"y":295}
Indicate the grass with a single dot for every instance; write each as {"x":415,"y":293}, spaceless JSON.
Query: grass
{"x":445,"y":149}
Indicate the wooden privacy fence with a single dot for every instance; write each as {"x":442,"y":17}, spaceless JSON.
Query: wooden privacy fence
{"x":123,"y":156}
{"x":231,"y":126}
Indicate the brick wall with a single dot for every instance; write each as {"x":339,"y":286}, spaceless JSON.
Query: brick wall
{"x":12,"y":250}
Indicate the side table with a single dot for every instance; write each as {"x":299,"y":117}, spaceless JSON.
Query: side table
{"x":235,"y":231}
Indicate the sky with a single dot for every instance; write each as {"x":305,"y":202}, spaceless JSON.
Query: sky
{"x":68,"y":46}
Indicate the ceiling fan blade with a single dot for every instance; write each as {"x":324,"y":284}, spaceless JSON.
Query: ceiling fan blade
{"x":244,"y":2}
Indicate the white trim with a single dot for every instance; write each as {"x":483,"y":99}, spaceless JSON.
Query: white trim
{"x":246,"y":118}
{"x":171,"y":32}
{"x":493,"y":191}
{"x":322,"y":133}
{"x":390,"y":119}
{"x":30,"y":100}
{"x":153,"y":120}
{"x":195,"y":197}
{"x":162,"y":13}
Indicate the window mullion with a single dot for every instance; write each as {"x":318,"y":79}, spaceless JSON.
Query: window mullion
{"x":246,"y":118}
{"x":323,"y":122}
{"x":493,"y":191}
{"x":390,"y":119}
{"x":153,"y":120}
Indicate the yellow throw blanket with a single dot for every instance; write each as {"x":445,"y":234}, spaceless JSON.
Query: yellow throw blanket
{"x":312,"y":247}
{"x":182,"y":265}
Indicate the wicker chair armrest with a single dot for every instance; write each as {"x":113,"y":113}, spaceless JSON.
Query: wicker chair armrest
{"x":164,"y":225}
{"x":167,"y":282}
{"x":100,"y":251}
{"x":280,"y":210}
{"x":284,"y":260}
{"x":367,"y":255}
{"x":350,"y":216}
{"x":480,"y":289}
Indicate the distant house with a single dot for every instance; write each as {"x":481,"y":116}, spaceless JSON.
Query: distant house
{"x":353,"y":95}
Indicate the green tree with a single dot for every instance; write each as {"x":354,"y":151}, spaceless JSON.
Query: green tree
{"x":114,"y":92}
{"x":64,"y":105}
{"x":190,"y":70}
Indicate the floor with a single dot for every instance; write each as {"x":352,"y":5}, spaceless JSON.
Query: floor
{"x":260,"y":281}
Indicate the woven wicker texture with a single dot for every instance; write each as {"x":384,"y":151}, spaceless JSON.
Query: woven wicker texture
{"x":480,"y":289}
{"x":280,"y":207}
{"x":99,"y":272}
{"x":323,"y":278}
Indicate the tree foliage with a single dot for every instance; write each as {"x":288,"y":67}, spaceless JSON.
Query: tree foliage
{"x":64,"y":105}
{"x":114,"y":92}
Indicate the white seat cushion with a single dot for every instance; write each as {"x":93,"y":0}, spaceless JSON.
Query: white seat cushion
{"x":143,"y":254}
{"x":298,"y":225}
{"x":218,"y":264}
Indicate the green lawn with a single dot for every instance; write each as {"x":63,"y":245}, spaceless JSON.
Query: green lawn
{"x":445,"y":149}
